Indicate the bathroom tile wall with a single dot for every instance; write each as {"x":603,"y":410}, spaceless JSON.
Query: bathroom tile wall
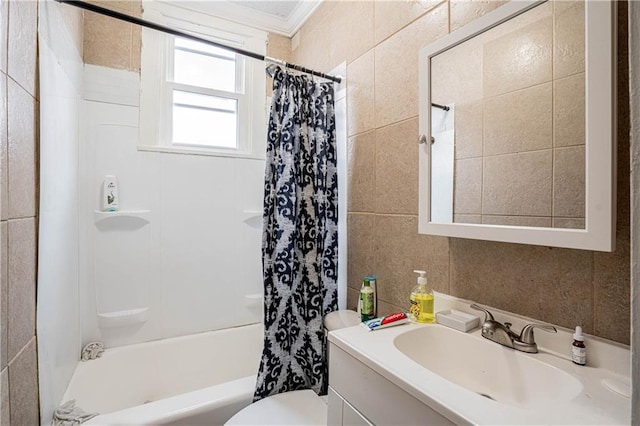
{"x":112,"y":43}
{"x":19,"y":212}
{"x":380,"y":41}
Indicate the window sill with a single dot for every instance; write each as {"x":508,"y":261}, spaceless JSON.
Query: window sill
{"x":195,"y":151}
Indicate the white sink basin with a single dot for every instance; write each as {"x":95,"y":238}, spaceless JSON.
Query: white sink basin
{"x":485,"y":367}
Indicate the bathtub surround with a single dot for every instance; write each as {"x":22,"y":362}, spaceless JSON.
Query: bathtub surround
{"x":58,"y":319}
{"x":380,"y":42}
{"x":19,"y":212}
{"x":300,"y":235}
{"x":193,"y":295}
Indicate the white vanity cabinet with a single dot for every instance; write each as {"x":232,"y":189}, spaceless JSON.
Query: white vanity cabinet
{"x":359,"y":395}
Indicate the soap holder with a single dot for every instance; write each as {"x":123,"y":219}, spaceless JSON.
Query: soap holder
{"x":458,"y":320}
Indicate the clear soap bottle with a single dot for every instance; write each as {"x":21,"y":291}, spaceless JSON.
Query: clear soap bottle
{"x":421,"y":301}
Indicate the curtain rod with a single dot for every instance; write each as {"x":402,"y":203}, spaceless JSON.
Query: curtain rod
{"x":167,"y":30}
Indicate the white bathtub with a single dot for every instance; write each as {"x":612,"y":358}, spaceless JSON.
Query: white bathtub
{"x":199,"y":379}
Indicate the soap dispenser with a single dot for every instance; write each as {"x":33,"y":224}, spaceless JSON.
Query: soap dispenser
{"x":421,"y":300}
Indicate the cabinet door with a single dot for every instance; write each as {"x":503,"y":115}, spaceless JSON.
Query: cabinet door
{"x":351,"y":417}
{"x":341,"y":413}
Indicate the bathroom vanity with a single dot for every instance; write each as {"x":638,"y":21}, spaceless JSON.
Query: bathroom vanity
{"x":430,"y":374}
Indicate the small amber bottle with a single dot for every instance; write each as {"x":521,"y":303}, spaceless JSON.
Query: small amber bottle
{"x":578,"y":349}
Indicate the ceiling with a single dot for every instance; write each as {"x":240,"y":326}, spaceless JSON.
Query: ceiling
{"x":278,"y":16}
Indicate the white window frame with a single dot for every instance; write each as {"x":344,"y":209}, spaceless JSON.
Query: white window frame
{"x":156,"y":89}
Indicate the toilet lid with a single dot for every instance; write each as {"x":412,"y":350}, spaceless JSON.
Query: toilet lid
{"x":302,"y":407}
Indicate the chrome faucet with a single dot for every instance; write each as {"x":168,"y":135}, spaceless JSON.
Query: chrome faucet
{"x":502,"y":333}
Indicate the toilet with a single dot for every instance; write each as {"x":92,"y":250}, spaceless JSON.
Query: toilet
{"x":303,"y":407}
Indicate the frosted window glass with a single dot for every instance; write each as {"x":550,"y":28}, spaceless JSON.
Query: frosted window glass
{"x":198,"y":64}
{"x":204,"y":120}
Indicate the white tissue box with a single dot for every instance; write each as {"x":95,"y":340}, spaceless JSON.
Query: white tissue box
{"x":458,"y":320}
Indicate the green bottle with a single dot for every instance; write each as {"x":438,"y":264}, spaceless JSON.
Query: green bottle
{"x":367,"y":311}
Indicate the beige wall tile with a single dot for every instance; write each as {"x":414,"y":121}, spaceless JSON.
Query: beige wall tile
{"x":468,"y":129}
{"x":22,"y":283}
{"x":456,"y":75}
{"x":22,"y":159}
{"x":399,"y":250}
{"x":361,"y":172}
{"x":391,"y":16}
{"x":569,"y":40}
{"x":279,"y":47}
{"x":4,"y":149}
{"x":612,"y":287}
{"x":317,"y":19}
{"x":313,"y":51}
{"x":4,"y":294}
{"x":4,"y":28}
{"x":612,"y":270}
{"x":136,"y":48}
{"x":467,"y":191}
{"x":396,"y":189}
{"x":131,"y":7}
{"x":467,"y":218}
{"x":361,"y":254}
{"x":544,"y":222}
{"x":385,"y":308}
{"x":466,"y":11}
{"x":518,"y":184}
{"x":22,"y":50}
{"x":353,"y":21}
{"x":548,"y":284}
{"x":23,"y":387}
{"x":569,"y":182}
{"x":519,"y":122}
{"x":4,"y":397}
{"x":352,"y":299}
{"x":569,"y":111}
{"x":508,"y":67}
{"x":107,"y":42}
{"x":360,"y":94}
{"x":396,"y":66}
{"x":568,"y":223}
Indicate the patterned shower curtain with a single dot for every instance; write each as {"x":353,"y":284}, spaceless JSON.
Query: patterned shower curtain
{"x":300,"y":235}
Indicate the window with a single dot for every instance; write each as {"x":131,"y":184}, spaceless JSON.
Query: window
{"x":200,"y":98}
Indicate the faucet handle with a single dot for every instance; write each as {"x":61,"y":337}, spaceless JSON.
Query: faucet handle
{"x":487,"y":314}
{"x":526,"y":335}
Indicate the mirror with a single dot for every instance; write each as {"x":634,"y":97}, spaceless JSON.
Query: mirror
{"x":519,"y":108}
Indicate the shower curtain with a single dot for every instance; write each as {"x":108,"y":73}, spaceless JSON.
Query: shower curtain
{"x":300,"y":235}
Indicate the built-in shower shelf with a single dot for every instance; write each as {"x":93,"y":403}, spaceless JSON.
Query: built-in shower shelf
{"x":99,"y":216}
{"x":121,"y":318}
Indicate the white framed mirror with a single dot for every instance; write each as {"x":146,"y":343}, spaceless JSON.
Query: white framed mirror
{"x":517,"y":127}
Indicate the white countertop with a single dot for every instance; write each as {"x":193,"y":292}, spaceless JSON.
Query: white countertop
{"x":595,"y":405}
